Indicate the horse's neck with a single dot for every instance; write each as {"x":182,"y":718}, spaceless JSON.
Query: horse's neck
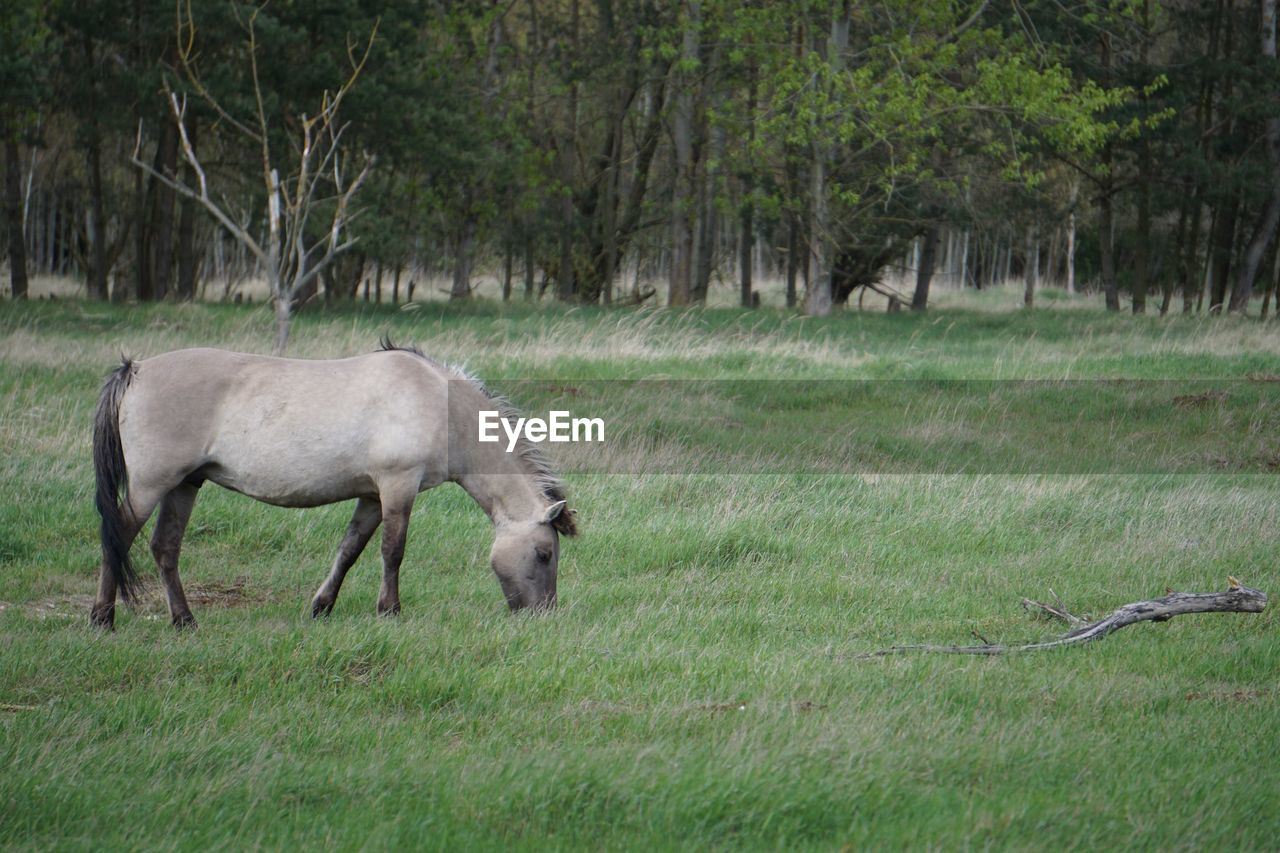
{"x":510,"y":496}
{"x":499,"y":481}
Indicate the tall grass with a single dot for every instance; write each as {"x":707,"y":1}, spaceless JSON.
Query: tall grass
{"x":701,"y":685}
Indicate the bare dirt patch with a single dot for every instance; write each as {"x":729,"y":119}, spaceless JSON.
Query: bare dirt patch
{"x":1199,"y":401}
{"x":151,"y":602}
{"x":1228,"y":695}
{"x":234,"y":594}
{"x":58,"y":607}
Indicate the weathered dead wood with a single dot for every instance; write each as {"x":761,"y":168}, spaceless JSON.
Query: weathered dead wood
{"x":295,"y":253}
{"x":1237,"y":599}
{"x":1057,"y":610}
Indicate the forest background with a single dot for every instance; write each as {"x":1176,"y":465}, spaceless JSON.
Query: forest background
{"x":617,"y":152}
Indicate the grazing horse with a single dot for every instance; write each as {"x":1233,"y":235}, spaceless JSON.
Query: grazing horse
{"x":379,"y":428}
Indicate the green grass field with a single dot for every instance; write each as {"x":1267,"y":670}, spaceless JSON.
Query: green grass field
{"x":753,"y":529}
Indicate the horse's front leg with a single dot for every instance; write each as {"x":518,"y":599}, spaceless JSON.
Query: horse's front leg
{"x":365,"y":520}
{"x":395,"y":527}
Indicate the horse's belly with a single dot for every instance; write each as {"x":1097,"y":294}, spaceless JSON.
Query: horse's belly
{"x":274,"y":487}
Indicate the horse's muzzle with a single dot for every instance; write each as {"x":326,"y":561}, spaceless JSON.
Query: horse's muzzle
{"x":539,"y":605}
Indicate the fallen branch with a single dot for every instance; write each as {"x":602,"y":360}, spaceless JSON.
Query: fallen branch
{"x":1058,"y":610}
{"x":1237,"y":599}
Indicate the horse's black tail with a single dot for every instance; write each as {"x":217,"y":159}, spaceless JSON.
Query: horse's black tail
{"x":113,"y":480}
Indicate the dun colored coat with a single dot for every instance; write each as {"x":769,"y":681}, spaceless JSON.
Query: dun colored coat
{"x":377,"y":428}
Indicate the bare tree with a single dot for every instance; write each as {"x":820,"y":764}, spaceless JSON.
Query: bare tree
{"x":295,"y":252}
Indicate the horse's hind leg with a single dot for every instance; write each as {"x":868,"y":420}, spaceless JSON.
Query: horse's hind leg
{"x":364,"y":521}
{"x":166,"y":545}
{"x":139,"y":506}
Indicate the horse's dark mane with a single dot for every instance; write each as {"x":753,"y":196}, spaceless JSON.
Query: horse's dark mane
{"x":385,"y":344}
{"x":534,"y":460}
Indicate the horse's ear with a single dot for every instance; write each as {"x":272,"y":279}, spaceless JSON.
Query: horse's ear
{"x":559,"y":516}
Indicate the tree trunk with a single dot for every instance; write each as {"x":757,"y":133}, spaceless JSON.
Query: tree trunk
{"x":507,"y":252}
{"x":186,"y":249}
{"x":1265,"y":230}
{"x":746,"y":220}
{"x":1274,"y":291}
{"x":1032,"y":268}
{"x":1167,"y":282}
{"x":142,"y":270}
{"x":1142,"y":252}
{"x":1268,"y":283}
{"x":1049,"y":274}
{"x":187,"y":230}
{"x":528,"y":269}
{"x":1193,"y":278}
{"x":284,"y":318}
{"x":566,"y":279}
{"x":96,"y":274}
{"x":302,"y":294}
{"x":1223,"y":244}
{"x":1106,"y":232}
{"x":709,"y":217}
{"x":32,"y":214}
{"x":682,"y":261}
{"x":13,"y":215}
{"x":818,"y":297}
{"x":611,"y":186}
{"x":464,"y":248}
{"x":162,"y":213}
{"x":924,"y":272}
{"x":1071,"y":242}
{"x":357,"y":275}
{"x":746,"y":245}
{"x":1106,"y":199}
{"x":793,"y":250}
{"x":26,"y":203}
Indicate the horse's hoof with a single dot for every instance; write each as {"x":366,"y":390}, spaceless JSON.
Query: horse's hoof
{"x":321,"y":609}
{"x":185,"y":622}
{"x":389,"y":610}
{"x":103,"y":618}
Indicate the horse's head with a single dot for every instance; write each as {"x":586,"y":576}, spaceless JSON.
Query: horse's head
{"x":526,"y":554}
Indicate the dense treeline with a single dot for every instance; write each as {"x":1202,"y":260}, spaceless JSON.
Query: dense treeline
{"x":589,"y":149}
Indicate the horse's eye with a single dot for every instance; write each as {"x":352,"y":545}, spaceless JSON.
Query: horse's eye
{"x":543,"y":555}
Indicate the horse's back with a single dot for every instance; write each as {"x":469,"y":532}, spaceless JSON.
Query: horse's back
{"x":296,"y":432}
